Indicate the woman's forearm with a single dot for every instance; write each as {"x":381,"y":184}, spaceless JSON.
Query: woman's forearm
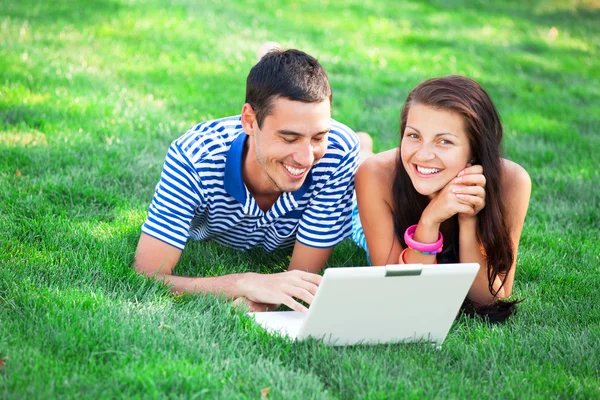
{"x":470,"y":250}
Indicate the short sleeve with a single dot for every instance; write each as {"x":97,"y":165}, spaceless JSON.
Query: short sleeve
{"x":326,"y":221}
{"x":176,"y":197}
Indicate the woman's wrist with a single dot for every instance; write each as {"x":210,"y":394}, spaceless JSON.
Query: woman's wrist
{"x":466,"y":222}
{"x":428,"y":224}
{"x":426,"y":231}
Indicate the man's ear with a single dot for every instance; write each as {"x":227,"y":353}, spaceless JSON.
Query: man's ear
{"x":249,"y":122}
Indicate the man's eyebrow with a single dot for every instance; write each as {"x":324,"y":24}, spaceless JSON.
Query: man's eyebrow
{"x":293,"y":133}
{"x":437,"y":135}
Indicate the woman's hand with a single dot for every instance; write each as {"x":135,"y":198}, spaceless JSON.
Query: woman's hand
{"x":463,"y":195}
{"x":470,"y":189}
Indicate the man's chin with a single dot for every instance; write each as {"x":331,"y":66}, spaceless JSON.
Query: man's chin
{"x":292,"y":187}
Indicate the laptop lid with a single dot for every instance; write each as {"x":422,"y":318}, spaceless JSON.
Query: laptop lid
{"x":395,"y":303}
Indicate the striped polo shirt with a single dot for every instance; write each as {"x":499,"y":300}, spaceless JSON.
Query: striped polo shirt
{"x":201,"y":193}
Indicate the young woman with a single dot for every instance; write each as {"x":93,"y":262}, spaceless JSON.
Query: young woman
{"x":447,"y":192}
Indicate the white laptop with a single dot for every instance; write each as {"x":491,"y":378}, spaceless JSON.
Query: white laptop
{"x":370,"y":305}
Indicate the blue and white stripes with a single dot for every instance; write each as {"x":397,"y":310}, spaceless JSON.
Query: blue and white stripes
{"x":201,"y":193}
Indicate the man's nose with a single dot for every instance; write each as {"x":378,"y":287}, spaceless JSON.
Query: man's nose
{"x":305,"y":154}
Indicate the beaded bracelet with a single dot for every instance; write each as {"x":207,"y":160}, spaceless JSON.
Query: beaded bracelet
{"x":401,"y":258}
{"x":424,"y":248}
{"x":427,"y":252}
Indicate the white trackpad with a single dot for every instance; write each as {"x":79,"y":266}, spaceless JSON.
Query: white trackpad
{"x":283,"y":322}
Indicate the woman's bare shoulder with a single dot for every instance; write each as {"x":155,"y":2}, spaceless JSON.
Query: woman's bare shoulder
{"x":378,"y":169}
{"x":516,"y":190}
{"x":380,"y":164}
{"x":376,"y":173}
{"x":514,"y":177}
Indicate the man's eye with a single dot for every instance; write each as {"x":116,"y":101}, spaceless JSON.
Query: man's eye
{"x":289,"y":140}
{"x":319,"y":139}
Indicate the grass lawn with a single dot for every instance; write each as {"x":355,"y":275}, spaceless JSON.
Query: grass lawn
{"x":92,"y":93}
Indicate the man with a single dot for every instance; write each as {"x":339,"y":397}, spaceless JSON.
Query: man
{"x":276,"y":176}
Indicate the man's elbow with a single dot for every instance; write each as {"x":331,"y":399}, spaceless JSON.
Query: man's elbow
{"x":143,"y":269}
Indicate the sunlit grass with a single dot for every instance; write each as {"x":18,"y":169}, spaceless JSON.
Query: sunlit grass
{"x":91,"y":95}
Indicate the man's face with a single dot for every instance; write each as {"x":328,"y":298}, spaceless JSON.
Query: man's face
{"x":292,"y":139}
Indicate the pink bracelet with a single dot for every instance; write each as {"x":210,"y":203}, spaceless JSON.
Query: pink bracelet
{"x":425,"y":248}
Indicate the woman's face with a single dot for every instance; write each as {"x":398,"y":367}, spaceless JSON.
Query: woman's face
{"x":434,"y":149}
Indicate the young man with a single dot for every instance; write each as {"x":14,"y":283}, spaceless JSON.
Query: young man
{"x":279,"y":175}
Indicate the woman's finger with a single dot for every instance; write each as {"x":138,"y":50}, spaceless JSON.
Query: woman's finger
{"x":472,"y":190}
{"x":464,"y":208}
{"x":475,"y":202}
{"x":471,"y":180}
{"x":471,"y":169}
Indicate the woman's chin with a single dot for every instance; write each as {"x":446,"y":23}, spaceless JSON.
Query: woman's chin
{"x":428,"y":192}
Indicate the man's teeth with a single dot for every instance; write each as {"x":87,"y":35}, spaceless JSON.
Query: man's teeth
{"x":295,"y":171}
{"x":427,"y":171}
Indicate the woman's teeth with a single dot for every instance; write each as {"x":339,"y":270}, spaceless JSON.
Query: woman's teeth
{"x":427,"y":171}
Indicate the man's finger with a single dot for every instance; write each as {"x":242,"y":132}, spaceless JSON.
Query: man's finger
{"x":306,"y":285}
{"x":301,"y":294}
{"x":313,"y":278}
{"x":293,"y":304}
{"x":240,"y":302}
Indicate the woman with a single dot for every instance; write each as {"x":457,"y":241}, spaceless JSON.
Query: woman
{"x":447,"y":192}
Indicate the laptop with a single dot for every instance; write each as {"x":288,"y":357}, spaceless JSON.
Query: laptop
{"x":372,"y":305}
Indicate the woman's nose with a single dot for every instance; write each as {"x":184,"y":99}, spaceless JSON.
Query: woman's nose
{"x":425,"y":153}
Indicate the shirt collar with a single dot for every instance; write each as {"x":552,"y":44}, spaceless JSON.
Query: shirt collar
{"x":234,"y":184}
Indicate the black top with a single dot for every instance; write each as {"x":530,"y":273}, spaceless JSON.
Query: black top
{"x":450,"y":254}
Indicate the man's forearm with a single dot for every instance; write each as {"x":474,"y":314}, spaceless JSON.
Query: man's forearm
{"x":228,"y":285}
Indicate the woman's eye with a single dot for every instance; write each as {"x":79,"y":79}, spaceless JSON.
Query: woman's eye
{"x":444,"y":141}
{"x":412,"y":135}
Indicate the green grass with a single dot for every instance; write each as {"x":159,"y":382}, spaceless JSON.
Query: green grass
{"x":93,"y":92}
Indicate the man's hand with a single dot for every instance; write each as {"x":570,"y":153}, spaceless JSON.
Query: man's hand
{"x":251,"y":306}
{"x":281,"y":288}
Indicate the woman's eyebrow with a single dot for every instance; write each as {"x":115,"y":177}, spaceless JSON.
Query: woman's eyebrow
{"x":413,"y":128}
{"x":437,"y":134}
{"x":446,"y":133}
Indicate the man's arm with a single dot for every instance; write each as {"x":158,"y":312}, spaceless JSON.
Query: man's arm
{"x":157,"y":258}
{"x":154,"y":257}
{"x":310,"y":259}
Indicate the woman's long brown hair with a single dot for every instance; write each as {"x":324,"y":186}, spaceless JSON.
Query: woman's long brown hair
{"x":484,"y":129}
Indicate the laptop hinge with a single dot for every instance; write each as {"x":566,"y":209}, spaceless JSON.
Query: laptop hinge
{"x":403,"y":270}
